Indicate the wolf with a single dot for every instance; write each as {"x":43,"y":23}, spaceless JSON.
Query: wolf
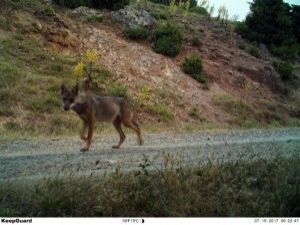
{"x":92,"y":108}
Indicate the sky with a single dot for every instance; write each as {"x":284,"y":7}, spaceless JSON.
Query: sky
{"x":240,"y":7}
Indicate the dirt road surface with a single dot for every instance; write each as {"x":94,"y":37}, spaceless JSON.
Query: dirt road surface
{"x":40,"y":158}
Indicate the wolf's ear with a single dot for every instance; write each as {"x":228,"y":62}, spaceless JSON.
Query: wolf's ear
{"x":62,"y":88}
{"x":75,"y":89}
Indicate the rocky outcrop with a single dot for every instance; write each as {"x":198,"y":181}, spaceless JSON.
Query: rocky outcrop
{"x":266,"y":75}
{"x":133,"y":18}
{"x":84,"y":12}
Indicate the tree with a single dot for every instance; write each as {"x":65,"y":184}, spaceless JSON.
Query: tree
{"x":295,"y":14}
{"x":269,"y":21}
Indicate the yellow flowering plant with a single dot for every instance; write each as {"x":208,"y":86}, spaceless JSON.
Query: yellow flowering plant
{"x":85,"y":66}
{"x":91,"y":56}
{"x":78,"y":69}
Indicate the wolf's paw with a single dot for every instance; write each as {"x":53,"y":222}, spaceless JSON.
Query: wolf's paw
{"x":84,"y":149}
{"x":115,"y":146}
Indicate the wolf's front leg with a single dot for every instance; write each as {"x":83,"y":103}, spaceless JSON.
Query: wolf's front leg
{"x":83,"y":131}
{"x":89,"y":137}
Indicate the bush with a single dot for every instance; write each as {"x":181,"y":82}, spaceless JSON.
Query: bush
{"x":193,"y":3}
{"x":193,"y":66}
{"x":167,"y":39}
{"x":110,"y":4}
{"x":285,"y":69}
{"x":286,"y":51}
{"x":254,"y":51}
{"x":274,"y":23}
{"x":99,"y":4}
{"x":138,"y":33}
{"x":73,"y":3}
{"x":199,"y":10}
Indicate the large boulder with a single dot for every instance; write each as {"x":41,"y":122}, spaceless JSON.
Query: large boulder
{"x":133,"y":18}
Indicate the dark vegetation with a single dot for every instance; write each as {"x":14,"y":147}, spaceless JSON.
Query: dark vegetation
{"x":99,"y":4}
{"x":285,"y":69}
{"x":193,"y":3}
{"x":199,"y":10}
{"x":193,"y":66}
{"x":275,"y":24}
{"x":167,"y":39}
{"x":139,"y":33}
{"x":242,"y":188}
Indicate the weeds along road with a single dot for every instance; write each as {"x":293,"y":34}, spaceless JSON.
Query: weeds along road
{"x":40,"y":158}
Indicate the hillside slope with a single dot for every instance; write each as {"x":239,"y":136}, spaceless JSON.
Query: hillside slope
{"x":40,"y":44}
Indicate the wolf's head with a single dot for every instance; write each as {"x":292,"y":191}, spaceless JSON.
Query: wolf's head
{"x":68,"y":96}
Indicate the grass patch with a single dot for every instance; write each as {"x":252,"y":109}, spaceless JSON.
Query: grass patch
{"x":9,"y":75}
{"x":161,"y":111}
{"x":237,"y":108}
{"x":116,"y":89}
{"x":94,"y":18}
{"x":244,"y":188}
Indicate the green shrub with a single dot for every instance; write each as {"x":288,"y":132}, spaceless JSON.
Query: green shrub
{"x":110,"y":4}
{"x":254,"y":51}
{"x":167,"y":39}
{"x":285,"y":69}
{"x":193,"y":66}
{"x":199,"y":10}
{"x":138,"y":33}
{"x":99,"y":4}
{"x":73,"y":3}
{"x":286,"y":51}
{"x":193,"y":3}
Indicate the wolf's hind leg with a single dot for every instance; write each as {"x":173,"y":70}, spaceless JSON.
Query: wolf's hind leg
{"x":134,"y":126}
{"x":118,"y":125}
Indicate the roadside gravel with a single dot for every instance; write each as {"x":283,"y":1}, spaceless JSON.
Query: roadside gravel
{"x":40,"y":158}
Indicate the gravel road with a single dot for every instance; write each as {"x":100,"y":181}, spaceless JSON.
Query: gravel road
{"x":39,"y":158}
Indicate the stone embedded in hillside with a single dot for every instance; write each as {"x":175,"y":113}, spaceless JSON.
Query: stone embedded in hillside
{"x":133,"y":18}
{"x":266,"y":75}
{"x":84,"y":12}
